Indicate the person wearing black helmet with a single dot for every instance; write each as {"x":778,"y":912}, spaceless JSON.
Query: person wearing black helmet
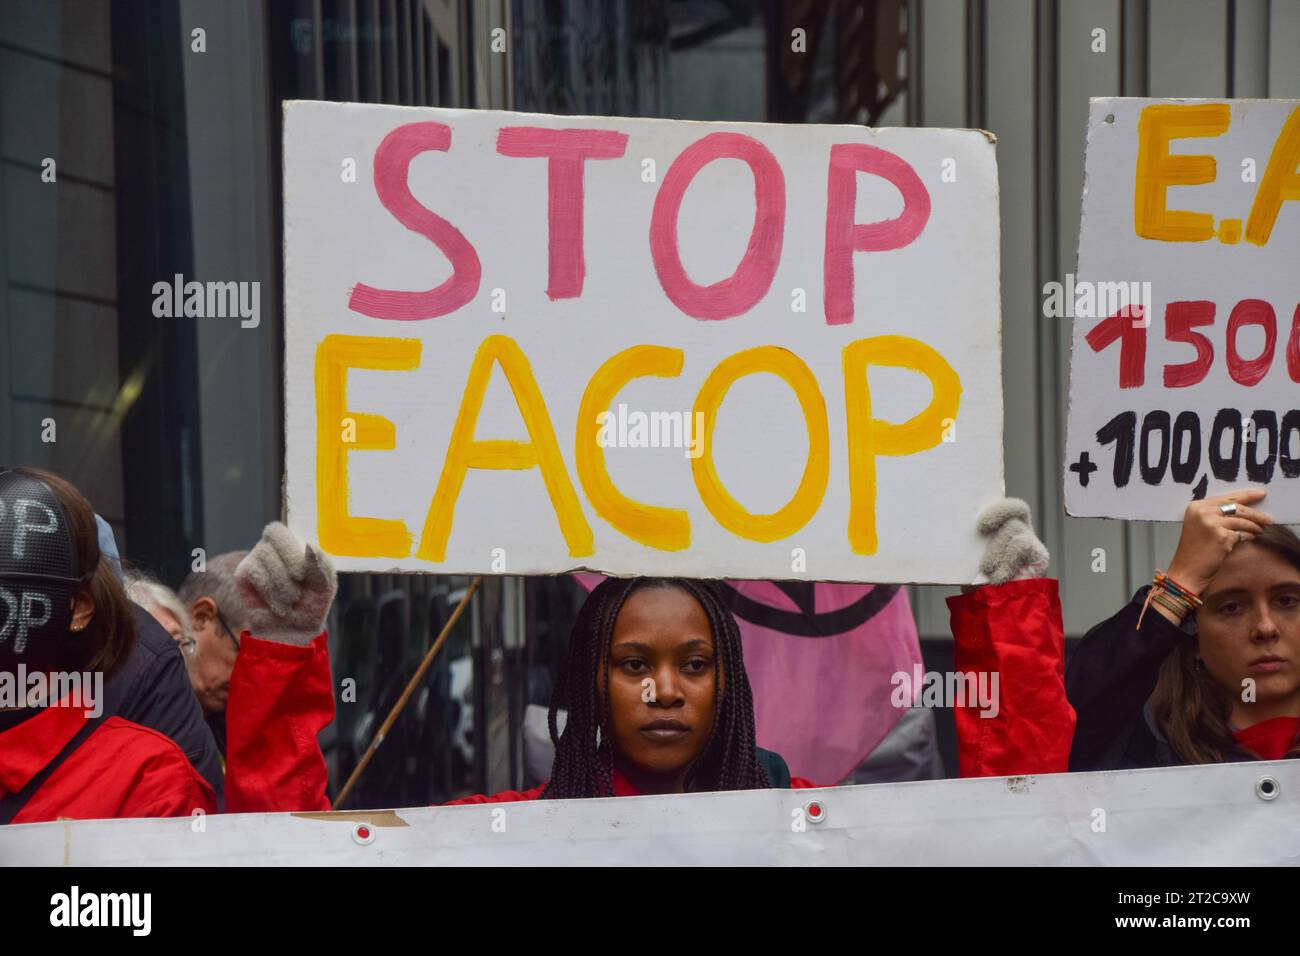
{"x":65,"y":627}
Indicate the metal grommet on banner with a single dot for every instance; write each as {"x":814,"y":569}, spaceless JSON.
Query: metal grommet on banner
{"x":814,"y":811}
{"x":1267,"y":788}
{"x":363,"y":833}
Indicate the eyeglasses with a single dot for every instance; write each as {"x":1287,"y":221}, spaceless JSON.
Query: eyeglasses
{"x":233,"y":636}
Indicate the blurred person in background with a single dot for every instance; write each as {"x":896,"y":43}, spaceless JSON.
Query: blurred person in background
{"x":215,"y":609}
{"x":260,"y":668}
{"x":262,"y":672}
{"x":165,"y":607}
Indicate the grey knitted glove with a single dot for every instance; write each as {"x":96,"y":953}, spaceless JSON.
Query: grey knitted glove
{"x":1014,"y":551}
{"x":287,"y":587}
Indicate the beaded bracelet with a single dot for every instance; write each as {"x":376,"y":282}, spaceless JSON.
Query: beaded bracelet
{"x":1167,"y":583}
{"x":1170,"y":603}
{"x":1172,"y":596}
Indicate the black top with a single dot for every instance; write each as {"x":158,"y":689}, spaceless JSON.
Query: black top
{"x":778,"y":773}
{"x":217,"y":724}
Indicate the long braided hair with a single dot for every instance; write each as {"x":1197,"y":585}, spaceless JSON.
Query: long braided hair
{"x":584,"y":755}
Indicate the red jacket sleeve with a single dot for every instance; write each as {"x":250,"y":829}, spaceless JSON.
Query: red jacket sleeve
{"x":281,"y":697}
{"x":1013,"y":630}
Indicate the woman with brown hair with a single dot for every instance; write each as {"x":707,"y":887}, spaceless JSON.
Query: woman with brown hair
{"x":65,"y":627}
{"x":1203,"y":666}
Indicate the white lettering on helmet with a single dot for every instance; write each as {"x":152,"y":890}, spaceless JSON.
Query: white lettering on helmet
{"x":22,"y":525}
{"x":28,"y":622}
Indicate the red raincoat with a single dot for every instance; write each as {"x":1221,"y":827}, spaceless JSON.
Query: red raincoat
{"x":280,"y":699}
{"x":121,"y":770}
{"x":1013,"y":630}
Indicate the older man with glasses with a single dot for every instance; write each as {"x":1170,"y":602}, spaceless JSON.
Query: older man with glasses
{"x":217,"y":615}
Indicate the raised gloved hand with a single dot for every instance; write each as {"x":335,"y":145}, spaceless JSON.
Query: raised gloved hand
{"x":287,"y":587}
{"x":1013,"y":552}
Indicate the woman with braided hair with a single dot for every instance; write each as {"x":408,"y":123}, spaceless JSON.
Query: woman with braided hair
{"x":657,"y":699}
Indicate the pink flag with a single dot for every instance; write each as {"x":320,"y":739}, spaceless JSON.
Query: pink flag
{"x":820,"y":659}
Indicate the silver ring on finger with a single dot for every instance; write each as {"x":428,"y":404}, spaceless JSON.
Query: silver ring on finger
{"x":1229,"y":509}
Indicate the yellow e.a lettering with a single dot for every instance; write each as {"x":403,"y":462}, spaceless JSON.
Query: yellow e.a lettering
{"x":1281,"y":181}
{"x":1158,"y":169}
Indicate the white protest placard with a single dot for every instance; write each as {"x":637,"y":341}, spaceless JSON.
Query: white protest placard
{"x":1186,"y":308}
{"x":529,"y":344}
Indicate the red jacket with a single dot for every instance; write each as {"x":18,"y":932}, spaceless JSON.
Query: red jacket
{"x":280,"y":699}
{"x":1014,"y":630}
{"x":120,"y":770}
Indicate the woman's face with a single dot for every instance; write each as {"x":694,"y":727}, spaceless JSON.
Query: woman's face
{"x":1249,"y":625}
{"x":661,"y":681}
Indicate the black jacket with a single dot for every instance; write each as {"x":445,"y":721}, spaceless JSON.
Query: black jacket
{"x":1109,"y":683}
{"x":153,"y":689}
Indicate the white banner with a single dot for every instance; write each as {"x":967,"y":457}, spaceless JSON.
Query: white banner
{"x":1217,"y":815}
{"x":530,"y":344}
{"x":1186,"y":308}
